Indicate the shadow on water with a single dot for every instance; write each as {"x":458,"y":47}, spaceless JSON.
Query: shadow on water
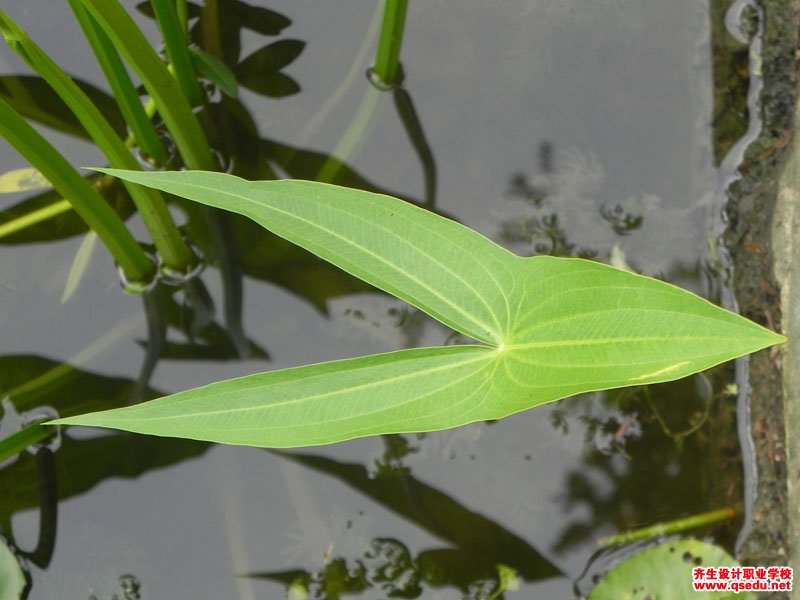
{"x":475,"y":545}
{"x":648,"y":454}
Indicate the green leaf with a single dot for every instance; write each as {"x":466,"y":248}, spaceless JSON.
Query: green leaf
{"x":12,"y":579}
{"x":321,"y":403}
{"x":665,"y":572}
{"x":552,"y":327}
{"x":216,"y":71}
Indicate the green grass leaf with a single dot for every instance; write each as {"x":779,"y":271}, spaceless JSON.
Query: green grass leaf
{"x":551,"y":327}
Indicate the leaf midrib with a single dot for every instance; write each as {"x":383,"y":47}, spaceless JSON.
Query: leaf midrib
{"x":487,"y":357}
{"x":617,"y":340}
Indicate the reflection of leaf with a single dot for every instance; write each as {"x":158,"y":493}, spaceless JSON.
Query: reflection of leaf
{"x":299,"y":163}
{"x":34,"y":99}
{"x":79,"y":265}
{"x":459,"y":567}
{"x":84,"y":463}
{"x":31,"y":381}
{"x":665,"y":572}
{"x":260,"y":71}
{"x":272,"y":57}
{"x":267,"y":257}
{"x":45,"y":218}
{"x":335,"y":580}
{"x":231,"y":16}
{"x":190,"y":310}
{"x":255,"y":18}
{"x":221,"y":351}
{"x":23,"y":180}
{"x":271,"y":258}
{"x":482,"y":540}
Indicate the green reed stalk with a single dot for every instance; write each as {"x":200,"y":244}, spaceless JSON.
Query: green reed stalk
{"x":151,"y":206}
{"x":87,"y":203}
{"x":669,"y":527}
{"x":177,"y":50}
{"x":144,"y":132}
{"x":159,"y":82}
{"x":387,"y":57}
{"x":210,"y":29}
{"x":182,"y":10}
{"x":22,"y":439}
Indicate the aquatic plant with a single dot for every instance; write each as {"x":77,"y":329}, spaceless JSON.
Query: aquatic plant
{"x":546,"y":328}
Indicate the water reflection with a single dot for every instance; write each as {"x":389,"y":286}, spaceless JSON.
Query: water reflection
{"x":478,"y":554}
{"x":643,"y":460}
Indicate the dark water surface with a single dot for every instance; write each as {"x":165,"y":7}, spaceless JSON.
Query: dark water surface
{"x":555,"y":127}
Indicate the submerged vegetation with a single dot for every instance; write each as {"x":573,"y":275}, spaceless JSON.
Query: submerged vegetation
{"x":529,"y":330}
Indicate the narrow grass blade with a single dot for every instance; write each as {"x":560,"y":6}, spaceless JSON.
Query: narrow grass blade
{"x":17,"y":442}
{"x":87,"y":203}
{"x":141,"y":126}
{"x":172,"y":105}
{"x":216,"y":71}
{"x":151,"y":205}
{"x":175,"y":44}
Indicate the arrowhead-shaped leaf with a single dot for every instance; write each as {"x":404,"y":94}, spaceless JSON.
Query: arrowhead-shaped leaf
{"x":550,"y":327}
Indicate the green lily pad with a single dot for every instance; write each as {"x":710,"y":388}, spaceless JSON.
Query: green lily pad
{"x":664,"y":572}
{"x":12,"y":579}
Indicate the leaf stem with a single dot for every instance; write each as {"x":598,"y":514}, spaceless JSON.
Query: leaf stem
{"x":173,"y":107}
{"x":182,"y":11}
{"x":140,"y":123}
{"x":22,"y":439}
{"x":175,"y":43}
{"x":387,"y":56}
{"x":670,"y":527}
